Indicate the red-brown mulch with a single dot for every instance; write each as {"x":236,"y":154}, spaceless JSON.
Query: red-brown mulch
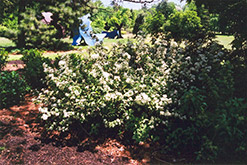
{"x":22,"y":141}
{"x":14,"y":65}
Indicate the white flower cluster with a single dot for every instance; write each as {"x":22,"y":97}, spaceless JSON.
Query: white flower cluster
{"x":119,"y":84}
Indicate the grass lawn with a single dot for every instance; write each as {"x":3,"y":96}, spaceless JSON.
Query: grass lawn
{"x":225,"y":40}
{"x":5,"y":43}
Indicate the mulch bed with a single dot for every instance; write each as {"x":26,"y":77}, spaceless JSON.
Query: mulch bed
{"x":14,"y":65}
{"x":22,"y":141}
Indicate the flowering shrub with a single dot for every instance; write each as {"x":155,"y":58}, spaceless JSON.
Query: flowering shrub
{"x":200,"y":81}
{"x":156,"y":91}
{"x":118,"y":87}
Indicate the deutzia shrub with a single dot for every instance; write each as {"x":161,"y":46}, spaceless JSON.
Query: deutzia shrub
{"x":157,"y":91}
{"x":124,"y":88}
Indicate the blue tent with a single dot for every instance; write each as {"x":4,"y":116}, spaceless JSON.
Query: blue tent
{"x":85,"y":31}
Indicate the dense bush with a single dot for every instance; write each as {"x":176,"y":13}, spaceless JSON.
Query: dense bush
{"x":3,"y":58}
{"x":12,"y":89}
{"x":177,"y":96}
{"x":33,"y":70}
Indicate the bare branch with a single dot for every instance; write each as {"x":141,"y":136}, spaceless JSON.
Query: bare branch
{"x":140,"y":1}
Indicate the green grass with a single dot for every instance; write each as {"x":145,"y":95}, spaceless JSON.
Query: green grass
{"x":225,"y":40}
{"x":4,"y":42}
{"x":14,"y":57}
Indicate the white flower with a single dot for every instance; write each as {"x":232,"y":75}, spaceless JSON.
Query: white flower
{"x":174,"y":44}
{"x":117,"y":78}
{"x":118,"y":95}
{"x":106,"y":75}
{"x":44,"y":117}
{"x":95,"y":56}
{"x":142,"y":99}
{"x":66,"y":114}
{"x":188,"y":58}
{"x":61,"y":63}
{"x":126,"y":55}
{"x":77,"y":93}
{"x":93,"y":73}
{"x":129,"y":80}
{"x":143,"y":86}
{"x":118,"y":66}
{"x":113,"y":96}
{"x":162,"y":113}
{"x":43,"y":110}
{"x":108,"y":96}
{"x":129,"y":93}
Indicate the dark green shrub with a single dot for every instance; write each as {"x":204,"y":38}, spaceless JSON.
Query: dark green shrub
{"x":34,"y":70}
{"x":12,"y":89}
{"x":3,"y":58}
{"x":239,"y":61}
{"x":230,"y":130}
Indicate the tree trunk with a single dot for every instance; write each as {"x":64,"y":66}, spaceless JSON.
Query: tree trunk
{"x":21,"y":35}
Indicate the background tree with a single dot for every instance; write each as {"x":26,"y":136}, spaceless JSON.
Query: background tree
{"x":166,"y":8}
{"x":138,"y":22}
{"x":155,"y":22}
{"x":65,"y":17}
{"x":156,"y":17}
{"x":183,"y":25}
{"x":233,"y":14}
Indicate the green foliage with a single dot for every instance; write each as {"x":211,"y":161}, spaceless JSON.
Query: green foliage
{"x":39,"y":34}
{"x":108,"y":15}
{"x":238,"y":59}
{"x":181,"y":97}
{"x":230,"y":125}
{"x":8,"y":33}
{"x":109,"y":86}
{"x":166,"y":8}
{"x":138,"y":23}
{"x":157,"y":16}
{"x":34,"y":70}
{"x":12,"y":89}
{"x":7,"y":8}
{"x":155,"y":23}
{"x":11,"y":22}
{"x":214,"y":23}
{"x":200,"y":81}
{"x":232,"y":15}
{"x":31,"y":32}
{"x":184,"y":25}
{"x":3,"y":58}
